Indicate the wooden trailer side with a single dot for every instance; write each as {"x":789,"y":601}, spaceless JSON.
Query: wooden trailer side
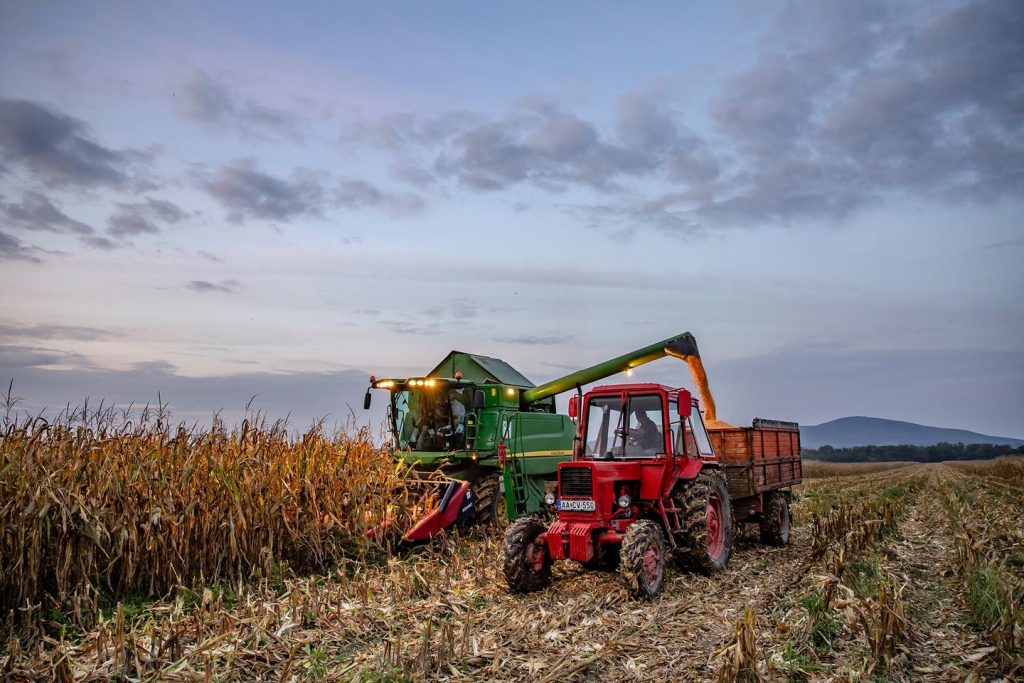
{"x":732,"y":448}
{"x":775,"y":458}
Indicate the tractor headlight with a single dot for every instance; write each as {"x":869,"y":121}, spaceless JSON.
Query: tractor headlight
{"x":624,"y":501}
{"x":549,"y":499}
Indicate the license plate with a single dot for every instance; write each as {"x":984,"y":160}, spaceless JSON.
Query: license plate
{"x":576,"y":505}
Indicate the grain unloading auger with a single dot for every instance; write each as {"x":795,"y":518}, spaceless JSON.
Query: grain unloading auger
{"x":496,"y":437}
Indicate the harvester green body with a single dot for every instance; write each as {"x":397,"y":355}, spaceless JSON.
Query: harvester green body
{"x":481,"y":422}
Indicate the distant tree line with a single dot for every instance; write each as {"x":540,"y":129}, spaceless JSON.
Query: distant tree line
{"x":936,"y":453}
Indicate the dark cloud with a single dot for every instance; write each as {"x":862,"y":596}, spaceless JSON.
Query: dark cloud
{"x":54,"y":332}
{"x":406,"y":327}
{"x":58,"y":148}
{"x":38,"y":212}
{"x":248,"y":192}
{"x":141,"y":218}
{"x":213,"y":103}
{"x":20,"y":357}
{"x":847,"y":106}
{"x":206,"y":287}
{"x":13,"y":249}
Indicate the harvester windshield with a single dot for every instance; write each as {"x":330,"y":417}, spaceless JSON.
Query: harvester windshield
{"x":431,"y":418}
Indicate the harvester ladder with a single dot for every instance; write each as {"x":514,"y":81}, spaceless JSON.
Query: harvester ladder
{"x":519,"y":478}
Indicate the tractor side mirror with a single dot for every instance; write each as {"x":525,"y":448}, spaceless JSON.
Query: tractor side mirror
{"x":685,"y":404}
{"x":478,"y":399}
{"x":366,"y":400}
{"x":574,"y":407}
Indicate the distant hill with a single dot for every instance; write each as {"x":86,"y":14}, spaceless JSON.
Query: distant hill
{"x":847,"y":432}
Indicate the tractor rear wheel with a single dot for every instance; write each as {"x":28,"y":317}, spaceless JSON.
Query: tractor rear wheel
{"x":642,"y":559}
{"x":488,"y":508}
{"x":775,"y":520}
{"x":527,"y":564}
{"x":707,"y":521}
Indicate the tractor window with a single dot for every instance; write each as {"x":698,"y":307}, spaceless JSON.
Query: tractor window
{"x":700,"y":435}
{"x":645,"y":438}
{"x":632,"y":433}
{"x":604,"y":427}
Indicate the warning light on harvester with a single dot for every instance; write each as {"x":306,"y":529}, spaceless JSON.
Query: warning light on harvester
{"x":510,"y":392}
{"x":458,"y":375}
{"x":373,"y":378}
{"x":629,"y":372}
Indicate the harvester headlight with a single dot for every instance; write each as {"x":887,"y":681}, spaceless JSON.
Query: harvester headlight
{"x":624,"y":502}
{"x":510,"y":391}
{"x":549,"y":499}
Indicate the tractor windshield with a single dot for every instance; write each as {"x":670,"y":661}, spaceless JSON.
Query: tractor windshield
{"x":431,"y":418}
{"x":625,"y":429}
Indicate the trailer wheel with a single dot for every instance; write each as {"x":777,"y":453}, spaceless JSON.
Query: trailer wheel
{"x":708,"y":522}
{"x":527,"y":564}
{"x":487,"y":506}
{"x":642,"y":559}
{"x":775,"y":520}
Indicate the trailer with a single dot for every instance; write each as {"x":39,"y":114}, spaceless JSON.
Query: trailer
{"x":761,"y":463}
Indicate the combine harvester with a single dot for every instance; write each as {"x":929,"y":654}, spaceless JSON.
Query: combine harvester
{"x":493,"y":437}
{"x":647,"y":480}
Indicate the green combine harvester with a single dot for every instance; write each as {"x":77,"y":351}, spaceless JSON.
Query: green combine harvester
{"x":494,"y":435}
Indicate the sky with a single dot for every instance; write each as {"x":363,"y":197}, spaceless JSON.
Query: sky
{"x":202,"y":203}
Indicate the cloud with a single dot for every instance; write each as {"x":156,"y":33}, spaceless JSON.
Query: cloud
{"x":54,"y":332}
{"x":304,"y":397}
{"x":846,"y":106}
{"x":535,"y":340}
{"x":213,"y":103}
{"x":140,"y":218}
{"x":249,"y":192}
{"x":224,"y":286}
{"x":20,"y":357}
{"x":13,"y":249}
{"x":58,"y":148}
{"x":38,"y":212}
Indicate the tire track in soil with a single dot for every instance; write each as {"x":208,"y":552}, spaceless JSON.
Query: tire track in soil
{"x":923,"y":555}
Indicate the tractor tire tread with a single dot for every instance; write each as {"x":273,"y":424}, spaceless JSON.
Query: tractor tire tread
{"x":693,"y":499}
{"x":638,"y":537}
{"x":521,"y":576}
{"x":485,"y":489}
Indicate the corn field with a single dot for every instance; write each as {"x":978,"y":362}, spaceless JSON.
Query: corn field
{"x":148,"y":552}
{"x":96,"y":505}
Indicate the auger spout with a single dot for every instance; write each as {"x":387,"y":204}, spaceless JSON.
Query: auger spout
{"x":683,"y":347}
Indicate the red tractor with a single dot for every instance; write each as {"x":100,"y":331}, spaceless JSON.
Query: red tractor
{"x":645,"y":482}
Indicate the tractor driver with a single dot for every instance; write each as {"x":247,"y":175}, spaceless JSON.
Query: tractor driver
{"x":646,"y":434}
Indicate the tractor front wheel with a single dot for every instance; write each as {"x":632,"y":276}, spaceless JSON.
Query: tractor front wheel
{"x":707,"y":521}
{"x":775,"y":520}
{"x":527,"y":563}
{"x":642,"y":559}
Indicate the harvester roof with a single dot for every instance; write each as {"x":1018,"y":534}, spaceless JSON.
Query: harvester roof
{"x":479,"y":369}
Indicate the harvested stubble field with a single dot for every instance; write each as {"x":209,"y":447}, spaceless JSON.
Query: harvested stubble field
{"x":911,"y":573}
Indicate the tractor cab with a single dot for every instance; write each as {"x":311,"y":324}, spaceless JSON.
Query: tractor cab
{"x":632,"y":445}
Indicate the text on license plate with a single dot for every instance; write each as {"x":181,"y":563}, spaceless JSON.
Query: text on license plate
{"x":576,"y":505}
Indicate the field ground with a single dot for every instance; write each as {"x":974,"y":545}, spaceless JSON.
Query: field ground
{"x":911,"y":573}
